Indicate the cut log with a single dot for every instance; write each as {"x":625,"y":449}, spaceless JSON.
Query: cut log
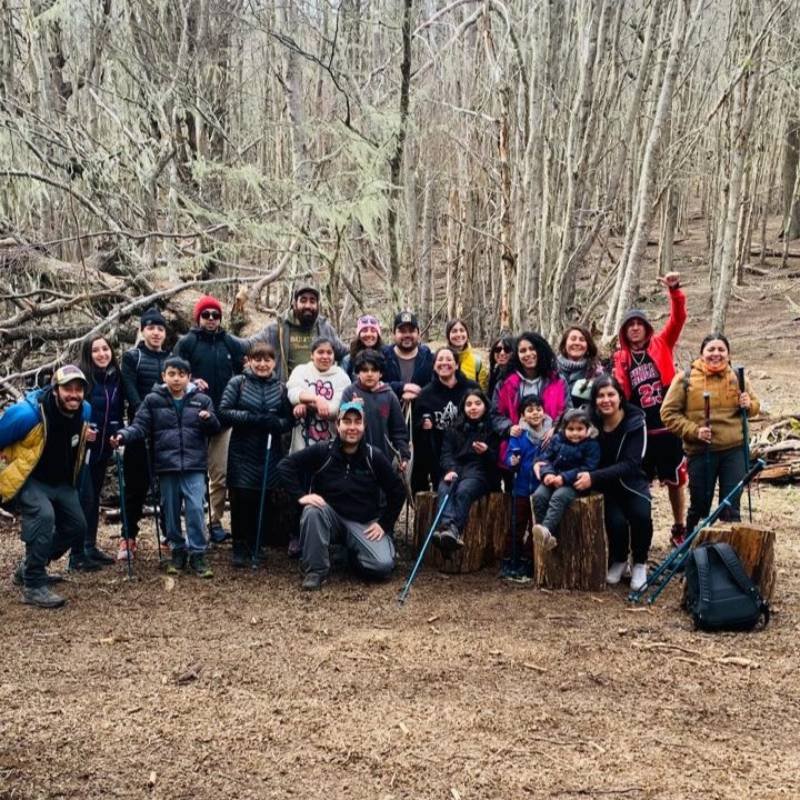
{"x":780,"y":472}
{"x":755,"y":546}
{"x":581,"y":559}
{"x":484,"y":537}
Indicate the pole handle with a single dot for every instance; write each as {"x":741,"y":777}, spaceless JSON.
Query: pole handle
{"x":740,"y":377}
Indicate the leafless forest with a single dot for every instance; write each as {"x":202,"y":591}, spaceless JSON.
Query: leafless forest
{"x":505,"y":160}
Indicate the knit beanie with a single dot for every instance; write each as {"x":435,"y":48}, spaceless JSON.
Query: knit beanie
{"x":367,"y":321}
{"x":152,"y":317}
{"x":205,"y":303}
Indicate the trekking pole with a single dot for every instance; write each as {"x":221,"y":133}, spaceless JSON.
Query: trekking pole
{"x":151,"y":483}
{"x":707,"y":454}
{"x":407,"y":588}
{"x":746,"y":442}
{"x":261,"y":500}
{"x":658,"y":579}
{"x":123,"y":510}
{"x":409,"y":464}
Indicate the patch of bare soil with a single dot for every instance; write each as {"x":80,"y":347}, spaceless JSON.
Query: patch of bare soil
{"x":244,"y":687}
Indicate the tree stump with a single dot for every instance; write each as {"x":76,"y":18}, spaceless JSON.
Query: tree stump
{"x":755,"y":547}
{"x":581,"y":559}
{"x":484,"y":537}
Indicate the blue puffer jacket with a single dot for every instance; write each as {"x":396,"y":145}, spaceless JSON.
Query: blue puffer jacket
{"x":180,"y":443}
{"x":529,"y":448}
{"x":567,"y":459}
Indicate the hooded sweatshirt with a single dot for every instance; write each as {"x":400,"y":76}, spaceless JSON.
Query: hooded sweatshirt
{"x":383,"y":418}
{"x":621,"y":454}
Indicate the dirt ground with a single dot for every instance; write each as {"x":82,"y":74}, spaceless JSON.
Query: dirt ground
{"x":243,"y":687}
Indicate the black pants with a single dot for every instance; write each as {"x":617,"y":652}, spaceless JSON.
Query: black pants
{"x":522,"y":521}
{"x":137,"y":483}
{"x":91,"y":486}
{"x":629,"y":524}
{"x":465,"y":493}
{"x":725,"y":467}
{"x":244,"y":518}
{"x":52,"y":523}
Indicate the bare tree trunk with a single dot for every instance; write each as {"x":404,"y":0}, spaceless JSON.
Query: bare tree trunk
{"x":791,"y":159}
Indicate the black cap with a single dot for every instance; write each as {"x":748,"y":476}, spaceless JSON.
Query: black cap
{"x":152,"y":317}
{"x":306,"y":290}
{"x":406,"y":318}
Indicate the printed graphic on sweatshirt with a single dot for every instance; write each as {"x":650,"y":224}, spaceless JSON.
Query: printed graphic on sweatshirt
{"x":445,"y":418}
{"x":319,"y":429}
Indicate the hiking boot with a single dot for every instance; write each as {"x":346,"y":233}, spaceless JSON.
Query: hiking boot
{"x":507,"y":570}
{"x":638,"y":577}
{"x":678,"y":534}
{"x":177,"y":562}
{"x":544,"y":538}
{"x":239,"y":558}
{"x":42,"y":596}
{"x":260,"y":558}
{"x":294,"y":550}
{"x":313,"y":581}
{"x":96,"y":554}
{"x":451,"y":539}
{"x":436,"y":538}
{"x":199,"y":565}
{"x":80,"y":562}
{"x":615,"y":572}
{"x":19,"y":574}
{"x":218,"y":534}
{"x":126,"y":545}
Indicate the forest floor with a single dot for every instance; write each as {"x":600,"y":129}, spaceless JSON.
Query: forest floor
{"x":244,"y":687}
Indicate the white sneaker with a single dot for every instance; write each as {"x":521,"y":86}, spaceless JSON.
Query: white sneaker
{"x":638,"y":577}
{"x":615,"y":572}
{"x":544,"y":538}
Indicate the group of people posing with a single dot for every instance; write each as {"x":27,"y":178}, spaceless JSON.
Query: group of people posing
{"x":348,"y":431}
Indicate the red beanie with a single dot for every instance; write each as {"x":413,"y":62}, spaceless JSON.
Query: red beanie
{"x":204,"y":303}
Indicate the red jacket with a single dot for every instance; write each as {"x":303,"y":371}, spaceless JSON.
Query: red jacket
{"x":660,"y":345}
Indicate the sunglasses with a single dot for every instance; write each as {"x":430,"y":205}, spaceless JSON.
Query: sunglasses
{"x":210,"y":315}
{"x":501,"y":348}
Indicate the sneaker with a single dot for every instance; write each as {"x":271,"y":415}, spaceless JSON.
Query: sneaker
{"x":96,"y":554}
{"x":313,"y":581}
{"x":199,"y":565}
{"x":126,"y":545}
{"x":638,"y":577}
{"x":43,"y":597}
{"x":239,"y":558}
{"x":294,"y":549}
{"x":615,"y":572}
{"x":19,"y":574}
{"x":219,"y":534}
{"x":177,"y":562}
{"x":678,"y":534}
{"x":507,"y":570}
{"x":81,"y":562}
{"x":544,"y":538}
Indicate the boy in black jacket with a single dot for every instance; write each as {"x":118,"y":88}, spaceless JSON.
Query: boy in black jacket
{"x":339,"y":485}
{"x":179,"y":419}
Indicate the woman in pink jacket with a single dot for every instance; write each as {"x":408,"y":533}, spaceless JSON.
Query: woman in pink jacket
{"x":532,"y":370}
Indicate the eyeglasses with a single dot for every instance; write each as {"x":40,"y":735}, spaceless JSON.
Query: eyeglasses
{"x":501,"y":348}
{"x":210,"y":315}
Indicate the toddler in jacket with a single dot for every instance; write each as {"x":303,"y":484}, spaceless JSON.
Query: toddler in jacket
{"x":571,"y":450}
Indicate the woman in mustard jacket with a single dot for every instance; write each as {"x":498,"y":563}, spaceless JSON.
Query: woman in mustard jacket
{"x":714,"y":446}
{"x":470,"y":362}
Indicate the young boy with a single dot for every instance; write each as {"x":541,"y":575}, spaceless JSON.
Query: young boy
{"x":570,"y":451}
{"x":522,"y":453}
{"x":179,"y":419}
{"x":385,"y":427}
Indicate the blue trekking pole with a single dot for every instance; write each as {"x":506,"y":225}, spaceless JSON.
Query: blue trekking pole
{"x":123,"y":510}
{"x":407,"y":588}
{"x":261,"y":503}
{"x":746,"y":442}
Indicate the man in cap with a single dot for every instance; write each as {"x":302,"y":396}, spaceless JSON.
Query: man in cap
{"x":409,"y":364}
{"x":215,"y":357}
{"x":338,"y":485}
{"x":43,"y":441}
{"x":644,"y":366}
{"x":291,"y":335}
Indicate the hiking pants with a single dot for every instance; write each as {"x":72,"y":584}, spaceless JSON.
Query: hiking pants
{"x":91,"y":486}
{"x":705,"y":470}
{"x":217,"y":473}
{"x":137,"y":483}
{"x":52,"y":523}
{"x":322,"y":527}
{"x":550,"y":505}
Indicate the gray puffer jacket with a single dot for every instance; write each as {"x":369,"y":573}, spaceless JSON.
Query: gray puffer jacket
{"x":254,"y":407}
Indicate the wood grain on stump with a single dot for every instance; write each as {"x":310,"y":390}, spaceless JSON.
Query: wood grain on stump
{"x":581,"y":559}
{"x":755,"y":546}
{"x":484,"y":536}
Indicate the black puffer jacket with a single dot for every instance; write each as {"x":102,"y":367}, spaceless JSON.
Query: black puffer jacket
{"x":141,"y":373}
{"x":254,"y":407}
{"x":215,"y":357}
{"x":458,"y":455}
{"x":180,"y":443}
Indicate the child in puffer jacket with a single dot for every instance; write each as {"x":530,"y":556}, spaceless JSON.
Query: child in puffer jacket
{"x":571,"y":450}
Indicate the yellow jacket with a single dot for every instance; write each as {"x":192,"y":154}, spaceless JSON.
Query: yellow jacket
{"x":683,"y":411}
{"x":474,"y":367}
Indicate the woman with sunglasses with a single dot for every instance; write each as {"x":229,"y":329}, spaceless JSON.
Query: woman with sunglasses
{"x":368,"y":337}
{"x":578,"y":363}
{"x":469,"y":362}
{"x":499,"y":357}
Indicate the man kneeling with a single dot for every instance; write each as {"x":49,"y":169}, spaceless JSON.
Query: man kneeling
{"x":339,"y":485}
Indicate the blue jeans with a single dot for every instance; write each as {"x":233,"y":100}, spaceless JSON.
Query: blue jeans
{"x":187,"y":489}
{"x":462,"y":496}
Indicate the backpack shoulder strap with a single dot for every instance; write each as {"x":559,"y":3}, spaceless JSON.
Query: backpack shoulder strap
{"x":478,"y":364}
{"x":701,"y":560}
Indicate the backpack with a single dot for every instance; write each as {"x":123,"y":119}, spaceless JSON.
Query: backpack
{"x":719,"y":593}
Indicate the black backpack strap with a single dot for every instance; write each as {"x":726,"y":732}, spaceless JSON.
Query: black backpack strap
{"x":727,"y":555}
{"x":701,"y":561}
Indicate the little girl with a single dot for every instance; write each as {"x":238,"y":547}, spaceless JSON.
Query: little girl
{"x":469,"y":454}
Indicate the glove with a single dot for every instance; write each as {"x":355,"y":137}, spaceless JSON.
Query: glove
{"x":271,"y":423}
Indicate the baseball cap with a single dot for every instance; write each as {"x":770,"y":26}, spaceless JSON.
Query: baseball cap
{"x":406,"y":318}
{"x":305,"y":290}
{"x":351,"y":405}
{"x":67,"y":374}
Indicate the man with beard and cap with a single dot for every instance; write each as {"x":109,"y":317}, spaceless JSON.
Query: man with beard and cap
{"x":644,"y":366}
{"x":43,"y":441}
{"x":409,"y":364}
{"x":291,"y":335}
{"x":214,"y":356}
